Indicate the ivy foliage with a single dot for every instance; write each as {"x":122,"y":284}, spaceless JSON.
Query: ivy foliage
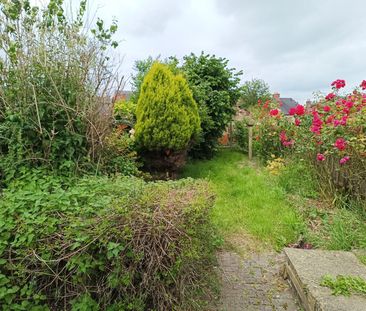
{"x":166,"y":113}
{"x":100,"y":243}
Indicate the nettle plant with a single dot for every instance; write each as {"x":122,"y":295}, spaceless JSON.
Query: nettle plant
{"x":331,"y":134}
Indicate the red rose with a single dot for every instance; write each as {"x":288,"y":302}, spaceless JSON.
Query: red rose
{"x":338,"y":84}
{"x":300,"y":110}
{"x":317,"y":123}
{"x":330,"y":96}
{"x":363,"y":85}
{"x":330,"y":119}
{"x":349,"y":104}
{"x":344,"y":160}
{"x":320,"y":157}
{"x":292,"y":111}
{"x":326,"y":108}
{"x":340,"y":144}
{"x":274,"y":112}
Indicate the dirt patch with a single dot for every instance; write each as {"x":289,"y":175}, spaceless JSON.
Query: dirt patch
{"x":245,"y":244}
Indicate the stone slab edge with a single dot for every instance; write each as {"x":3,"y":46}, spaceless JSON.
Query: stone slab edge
{"x":308,"y":300}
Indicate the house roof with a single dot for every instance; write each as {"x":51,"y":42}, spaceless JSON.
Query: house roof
{"x":122,"y":95}
{"x":287,"y":104}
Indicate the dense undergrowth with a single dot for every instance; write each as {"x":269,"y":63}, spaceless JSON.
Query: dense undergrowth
{"x":101,"y":243}
{"x":328,"y":226}
{"x":75,"y":232}
{"x":56,"y":79}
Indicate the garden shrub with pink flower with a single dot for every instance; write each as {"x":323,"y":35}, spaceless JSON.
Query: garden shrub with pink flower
{"x":330,"y":135}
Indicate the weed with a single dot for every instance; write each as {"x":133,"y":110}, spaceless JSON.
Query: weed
{"x":344,"y":285}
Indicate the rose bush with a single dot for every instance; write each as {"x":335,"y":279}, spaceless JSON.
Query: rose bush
{"x":330,"y":135}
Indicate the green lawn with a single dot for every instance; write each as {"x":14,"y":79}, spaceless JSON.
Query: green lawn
{"x":248,"y":200}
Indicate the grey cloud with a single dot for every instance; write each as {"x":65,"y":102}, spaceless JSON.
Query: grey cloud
{"x":296,"y":46}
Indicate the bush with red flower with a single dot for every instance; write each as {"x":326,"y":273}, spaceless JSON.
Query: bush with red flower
{"x":331,"y":135}
{"x":272,"y":133}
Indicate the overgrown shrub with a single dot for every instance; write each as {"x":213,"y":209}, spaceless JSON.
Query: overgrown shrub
{"x":103,"y":244}
{"x":55,"y":81}
{"x":167,"y":117}
{"x":216,"y":90}
{"x":330,"y":136}
{"x":241,"y":134}
{"x":119,"y":154}
{"x":125,"y":113}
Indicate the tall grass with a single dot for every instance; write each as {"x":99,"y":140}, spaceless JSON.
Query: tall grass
{"x":247,"y":199}
{"x":338,"y":224}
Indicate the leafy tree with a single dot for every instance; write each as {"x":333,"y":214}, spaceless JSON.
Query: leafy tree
{"x":141,"y":68}
{"x":216,"y":89}
{"x":253,"y":91}
{"x":167,"y":115}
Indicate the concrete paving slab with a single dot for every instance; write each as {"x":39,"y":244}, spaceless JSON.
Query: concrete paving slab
{"x":305,"y":269}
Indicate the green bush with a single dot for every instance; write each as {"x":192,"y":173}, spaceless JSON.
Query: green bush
{"x":241,"y":134}
{"x":103,"y":244}
{"x":216,"y":90}
{"x":298,"y":177}
{"x":125,"y":112}
{"x":167,"y":115}
{"x":119,"y":155}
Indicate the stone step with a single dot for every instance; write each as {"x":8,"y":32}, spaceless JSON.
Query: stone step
{"x":305,"y":269}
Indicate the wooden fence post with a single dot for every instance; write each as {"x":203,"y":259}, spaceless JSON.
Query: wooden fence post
{"x":250,"y":123}
{"x":250,"y":142}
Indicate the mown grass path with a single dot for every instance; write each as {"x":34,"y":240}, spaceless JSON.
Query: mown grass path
{"x":248,"y":200}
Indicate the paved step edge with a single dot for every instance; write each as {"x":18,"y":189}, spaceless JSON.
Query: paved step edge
{"x":307,"y":299}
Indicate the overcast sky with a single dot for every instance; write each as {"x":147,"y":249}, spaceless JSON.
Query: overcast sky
{"x":296,"y":46}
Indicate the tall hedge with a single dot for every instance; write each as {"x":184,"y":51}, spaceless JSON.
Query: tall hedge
{"x":167,"y":115}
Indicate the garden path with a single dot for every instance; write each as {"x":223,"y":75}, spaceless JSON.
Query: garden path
{"x":254,"y":283}
{"x":254,"y":218}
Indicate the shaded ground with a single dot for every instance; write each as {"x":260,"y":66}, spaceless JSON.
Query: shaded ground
{"x":254,"y":283}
